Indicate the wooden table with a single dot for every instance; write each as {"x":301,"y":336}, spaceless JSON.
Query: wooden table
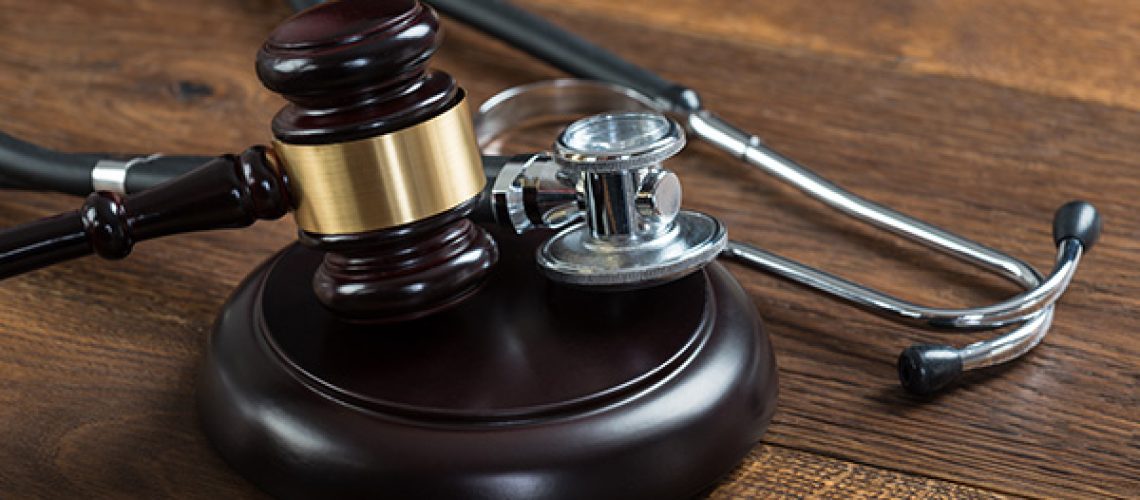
{"x":979,"y":115}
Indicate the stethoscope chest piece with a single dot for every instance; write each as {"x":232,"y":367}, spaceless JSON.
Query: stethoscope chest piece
{"x":634,"y":234}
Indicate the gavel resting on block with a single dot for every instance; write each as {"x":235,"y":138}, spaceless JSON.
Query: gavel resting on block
{"x":401,"y":349}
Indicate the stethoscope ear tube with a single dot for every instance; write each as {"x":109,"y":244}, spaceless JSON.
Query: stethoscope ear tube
{"x":927,"y":368}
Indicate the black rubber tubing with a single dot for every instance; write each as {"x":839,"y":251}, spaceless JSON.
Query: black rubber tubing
{"x":27,"y":166}
{"x":30,"y":166}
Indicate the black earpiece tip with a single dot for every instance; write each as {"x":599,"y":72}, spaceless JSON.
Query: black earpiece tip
{"x":925,"y":369}
{"x":1077,"y":219}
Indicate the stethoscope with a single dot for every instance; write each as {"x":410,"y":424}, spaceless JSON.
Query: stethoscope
{"x":617,"y":209}
{"x":534,"y":191}
{"x":616,"y":84}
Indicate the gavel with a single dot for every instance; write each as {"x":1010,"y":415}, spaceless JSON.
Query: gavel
{"x":401,"y":349}
{"x":374,"y":155}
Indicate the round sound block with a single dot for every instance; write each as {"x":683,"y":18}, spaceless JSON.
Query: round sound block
{"x":526,"y":389}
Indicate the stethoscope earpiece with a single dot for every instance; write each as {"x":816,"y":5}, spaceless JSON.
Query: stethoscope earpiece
{"x":1077,"y":219}
{"x":927,"y":368}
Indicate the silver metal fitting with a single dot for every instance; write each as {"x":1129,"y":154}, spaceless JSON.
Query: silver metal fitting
{"x":532,"y":191}
{"x":619,"y":142}
{"x":635,"y":233}
{"x":659,"y":198}
{"x":111,"y":175}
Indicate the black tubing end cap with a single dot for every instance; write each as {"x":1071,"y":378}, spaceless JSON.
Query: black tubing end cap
{"x":925,"y":369}
{"x":1077,"y":219}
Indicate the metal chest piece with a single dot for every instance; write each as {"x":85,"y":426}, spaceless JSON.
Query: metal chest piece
{"x":635,"y":234}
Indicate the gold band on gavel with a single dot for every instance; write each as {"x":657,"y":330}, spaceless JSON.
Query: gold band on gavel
{"x":384,"y":181}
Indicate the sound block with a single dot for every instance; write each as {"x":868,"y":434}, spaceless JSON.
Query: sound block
{"x":526,"y":389}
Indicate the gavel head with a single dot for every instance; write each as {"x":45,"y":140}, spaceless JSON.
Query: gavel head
{"x":371,"y":138}
{"x":380,"y":155}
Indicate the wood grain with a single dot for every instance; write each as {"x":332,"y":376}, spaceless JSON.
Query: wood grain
{"x":1084,"y":49}
{"x":984,"y":135}
{"x":773,"y":471}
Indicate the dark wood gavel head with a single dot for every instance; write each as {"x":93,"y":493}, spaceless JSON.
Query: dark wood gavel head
{"x":354,"y":70}
{"x":380,"y":155}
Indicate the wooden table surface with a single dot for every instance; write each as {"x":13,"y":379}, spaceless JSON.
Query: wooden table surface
{"x":979,"y":115}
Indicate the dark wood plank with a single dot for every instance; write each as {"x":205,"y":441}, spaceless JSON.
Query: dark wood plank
{"x":1084,"y":49}
{"x":98,"y":358}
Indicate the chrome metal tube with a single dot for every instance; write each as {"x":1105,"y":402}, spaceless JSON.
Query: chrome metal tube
{"x":1009,"y":346}
{"x":751,"y":149}
{"x":1017,"y":309}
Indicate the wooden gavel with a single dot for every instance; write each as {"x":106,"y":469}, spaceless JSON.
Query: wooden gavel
{"x":380,"y":355}
{"x":375,"y":155}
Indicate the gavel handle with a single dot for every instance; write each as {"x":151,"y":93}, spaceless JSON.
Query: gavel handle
{"x":226,"y":192}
